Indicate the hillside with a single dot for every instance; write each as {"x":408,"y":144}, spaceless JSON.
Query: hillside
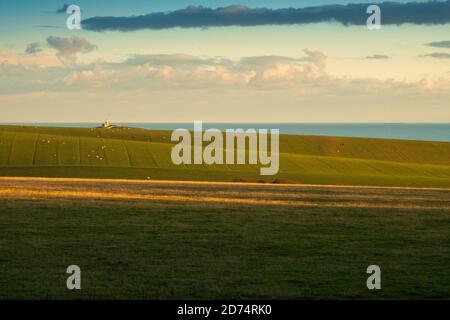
{"x":142,"y":154}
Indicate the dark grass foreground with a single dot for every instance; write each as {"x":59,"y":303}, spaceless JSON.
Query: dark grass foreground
{"x":188,"y":241}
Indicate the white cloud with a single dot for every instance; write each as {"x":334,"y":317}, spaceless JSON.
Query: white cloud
{"x":41,"y":59}
{"x":303,"y":75}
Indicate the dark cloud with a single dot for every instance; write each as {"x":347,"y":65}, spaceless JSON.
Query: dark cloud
{"x":63,"y":9}
{"x":439,"y":44}
{"x":47,"y":26}
{"x":431,"y":12}
{"x":438,"y":55}
{"x":33,"y":48}
{"x":377,"y":56}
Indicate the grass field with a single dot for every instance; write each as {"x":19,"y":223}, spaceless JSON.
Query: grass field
{"x":143,"y":154}
{"x":147,"y":237}
{"x":139,"y":239}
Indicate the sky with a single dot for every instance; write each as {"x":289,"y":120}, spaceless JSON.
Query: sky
{"x":224,"y":61}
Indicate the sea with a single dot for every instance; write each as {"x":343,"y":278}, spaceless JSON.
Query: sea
{"x":404,"y":131}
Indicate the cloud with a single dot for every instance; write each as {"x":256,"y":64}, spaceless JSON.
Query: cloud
{"x":438,"y":55}
{"x":47,"y":26}
{"x":41,"y":60}
{"x":171,"y":71}
{"x":430,"y":12}
{"x":259,"y":72}
{"x":67,"y":48}
{"x":439,"y":44}
{"x":304,"y":75}
{"x":33,"y":48}
{"x":63,"y":9}
{"x":26,"y":78}
{"x":316,"y":57}
{"x":377,"y":56}
{"x":175,"y":60}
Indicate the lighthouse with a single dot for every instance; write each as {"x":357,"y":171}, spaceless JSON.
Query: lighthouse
{"x":106,"y":124}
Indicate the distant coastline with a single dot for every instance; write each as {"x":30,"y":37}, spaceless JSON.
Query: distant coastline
{"x":404,"y":131}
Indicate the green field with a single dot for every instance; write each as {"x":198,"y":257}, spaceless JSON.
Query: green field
{"x":174,"y":240}
{"x":147,"y":239}
{"x":145,"y":154}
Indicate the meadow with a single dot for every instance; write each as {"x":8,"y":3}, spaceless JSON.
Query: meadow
{"x":202,"y":240}
{"x":129,"y":153}
{"x":139,"y":227}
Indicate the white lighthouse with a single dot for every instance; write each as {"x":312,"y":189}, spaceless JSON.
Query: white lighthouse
{"x":106,"y":124}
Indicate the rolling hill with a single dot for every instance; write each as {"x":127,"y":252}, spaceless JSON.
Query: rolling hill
{"x":145,"y":154}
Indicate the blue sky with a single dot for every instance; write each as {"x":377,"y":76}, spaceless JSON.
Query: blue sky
{"x":320,"y":72}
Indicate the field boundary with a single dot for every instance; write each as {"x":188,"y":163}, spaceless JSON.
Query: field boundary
{"x":226,"y":183}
